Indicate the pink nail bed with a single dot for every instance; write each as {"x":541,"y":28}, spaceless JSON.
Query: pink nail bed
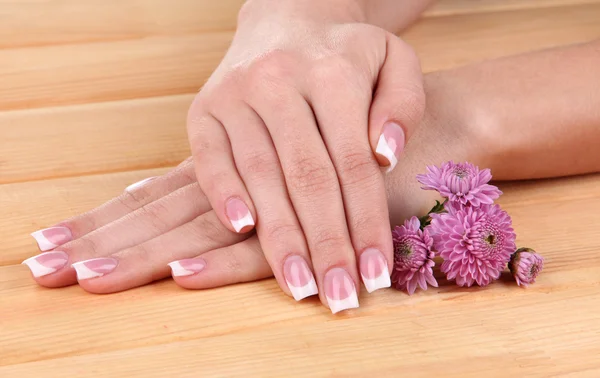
{"x":391,"y":143}
{"x":50,"y":238}
{"x":299,"y":278}
{"x":94,"y":267}
{"x":46,"y":263}
{"x":374,"y":270}
{"x":340,"y":290}
{"x":239,"y":215}
{"x":187,"y":267}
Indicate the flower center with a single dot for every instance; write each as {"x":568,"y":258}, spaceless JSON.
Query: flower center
{"x":460,"y":172}
{"x":534,"y":270}
{"x":490,"y":239}
{"x":403,"y":250}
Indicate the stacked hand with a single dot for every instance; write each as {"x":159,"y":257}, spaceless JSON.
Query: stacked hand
{"x":287,"y":136}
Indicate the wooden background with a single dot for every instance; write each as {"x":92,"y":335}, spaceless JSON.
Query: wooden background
{"x":93,"y":96}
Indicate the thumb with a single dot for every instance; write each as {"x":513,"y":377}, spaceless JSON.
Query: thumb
{"x":398,"y":103}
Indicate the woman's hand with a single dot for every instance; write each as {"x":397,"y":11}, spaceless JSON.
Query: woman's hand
{"x":289,"y":130}
{"x":129,"y":241}
{"x":166,"y":220}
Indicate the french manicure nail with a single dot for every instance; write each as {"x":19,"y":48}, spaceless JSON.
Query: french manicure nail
{"x":374,"y":270}
{"x":391,"y":143}
{"x":186,"y":267}
{"x":46,"y":263}
{"x":138,"y":184}
{"x":299,"y":278}
{"x":239,"y":215}
{"x":340,"y":290}
{"x":50,"y":238}
{"x":94,"y":267}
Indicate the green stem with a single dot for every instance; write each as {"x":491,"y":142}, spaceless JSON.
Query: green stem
{"x":438,"y":208}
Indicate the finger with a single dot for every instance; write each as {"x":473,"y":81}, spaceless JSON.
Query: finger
{"x":134,"y":197}
{"x":278,"y":228}
{"x":315,"y":193}
{"x":148,"y":262}
{"x":398,"y":104}
{"x":343,"y":124}
{"x":216,"y":171}
{"x":241,"y":262}
{"x":147,"y":222}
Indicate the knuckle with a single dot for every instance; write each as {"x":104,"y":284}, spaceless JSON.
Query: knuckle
{"x":357,"y":167}
{"x":154,"y":215}
{"x":232,"y":262}
{"x":260,"y":165}
{"x":329,"y":243}
{"x":281,"y":231}
{"x":335,"y":72}
{"x":86,"y":245}
{"x":309,"y":176}
{"x":134,"y":199}
{"x":211,"y":232}
{"x":274,"y":65}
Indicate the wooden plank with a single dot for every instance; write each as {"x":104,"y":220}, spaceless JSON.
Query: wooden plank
{"x":259,"y":332}
{"x":447,"y":42}
{"x":75,"y":74}
{"x":93,"y":138}
{"x":158,"y":66}
{"x":459,"y":7}
{"x":42,"y":22}
{"x":27,"y":207}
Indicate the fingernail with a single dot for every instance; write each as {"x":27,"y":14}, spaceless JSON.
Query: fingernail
{"x":46,"y":263}
{"x":299,"y":278}
{"x":186,"y":267}
{"x":138,"y":184}
{"x":50,"y":238}
{"x":239,"y":215}
{"x":391,"y":143}
{"x":340,"y":290}
{"x":374,"y":270}
{"x":94,"y":267}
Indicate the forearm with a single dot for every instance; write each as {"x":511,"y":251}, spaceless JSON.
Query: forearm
{"x":531,"y":116}
{"x":392,"y":15}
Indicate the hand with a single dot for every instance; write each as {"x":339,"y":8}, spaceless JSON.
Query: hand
{"x":129,"y":241}
{"x":166,"y":219}
{"x":288,"y":133}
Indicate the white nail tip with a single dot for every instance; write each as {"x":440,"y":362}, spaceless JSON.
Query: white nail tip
{"x":178,"y":271}
{"x":241,"y":223}
{"x":307,"y":290}
{"x":372,"y":284}
{"x":37,"y":269}
{"x":43,"y":243}
{"x":337,"y":305}
{"x":138,"y":184}
{"x":384,"y":149}
{"x":83,"y":272}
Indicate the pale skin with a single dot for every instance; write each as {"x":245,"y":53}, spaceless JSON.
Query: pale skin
{"x":528,"y":116}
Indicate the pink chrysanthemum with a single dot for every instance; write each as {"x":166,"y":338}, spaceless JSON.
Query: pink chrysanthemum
{"x":475,"y":243}
{"x":463,"y":183}
{"x":413,"y":257}
{"x":525,"y":265}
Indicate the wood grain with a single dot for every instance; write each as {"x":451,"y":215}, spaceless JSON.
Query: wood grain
{"x":165,"y":65}
{"x":93,"y":96}
{"x":81,"y":139}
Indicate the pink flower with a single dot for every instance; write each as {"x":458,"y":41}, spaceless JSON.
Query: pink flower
{"x":475,"y":242}
{"x":413,"y":257}
{"x":463,"y":183}
{"x":525,"y":265}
